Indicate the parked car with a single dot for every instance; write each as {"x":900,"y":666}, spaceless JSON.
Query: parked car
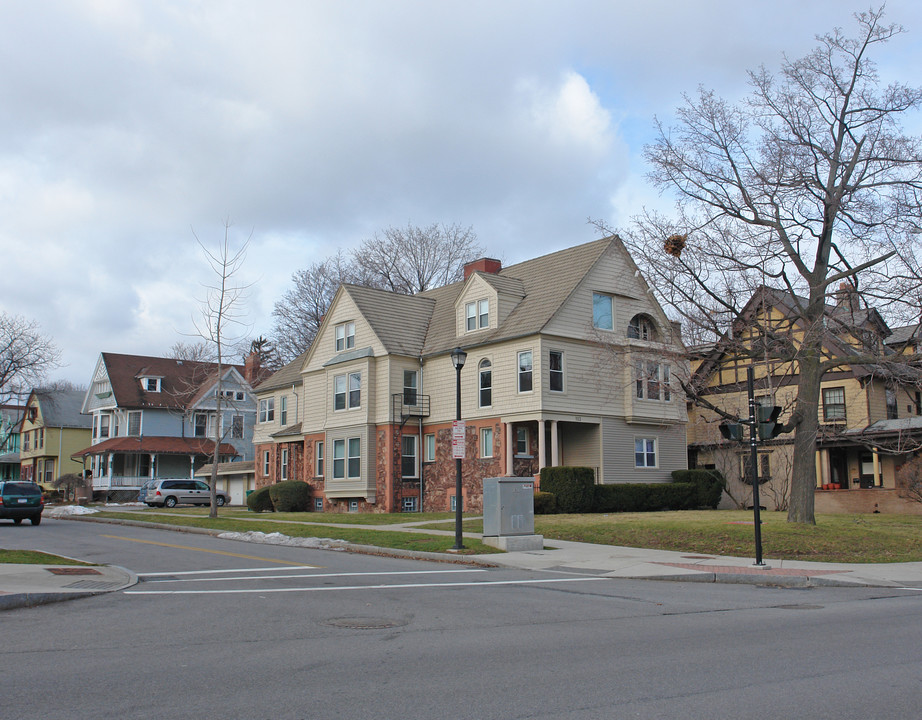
{"x":20,"y":500}
{"x":170,"y":493}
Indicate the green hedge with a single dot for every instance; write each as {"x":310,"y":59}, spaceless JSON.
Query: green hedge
{"x":710,"y":485}
{"x":260,"y":501}
{"x":545,"y":503}
{"x":291,"y":496}
{"x":573,"y":486}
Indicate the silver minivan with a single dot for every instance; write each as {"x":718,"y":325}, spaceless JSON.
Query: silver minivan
{"x":170,"y":493}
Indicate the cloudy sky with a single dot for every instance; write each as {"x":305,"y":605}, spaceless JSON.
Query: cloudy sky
{"x":126,"y":126}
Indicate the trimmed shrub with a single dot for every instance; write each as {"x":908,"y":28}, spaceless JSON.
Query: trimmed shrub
{"x":645,"y":497}
{"x":545,"y":503}
{"x":290,"y":496}
{"x":710,"y":485}
{"x":260,"y":501}
{"x":573,"y":486}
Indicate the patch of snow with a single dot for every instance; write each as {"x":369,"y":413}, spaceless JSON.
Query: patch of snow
{"x":277,"y":538}
{"x":64,"y":510}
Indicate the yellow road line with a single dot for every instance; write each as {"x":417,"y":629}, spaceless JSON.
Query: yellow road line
{"x":213,"y":552}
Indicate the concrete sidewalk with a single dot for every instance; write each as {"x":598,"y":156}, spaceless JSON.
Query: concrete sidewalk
{"x":28,"y":585}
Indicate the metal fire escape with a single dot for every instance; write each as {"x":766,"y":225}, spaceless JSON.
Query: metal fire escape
{"x":405,"y":406}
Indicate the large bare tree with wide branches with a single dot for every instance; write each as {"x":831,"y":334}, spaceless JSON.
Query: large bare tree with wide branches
{"x":808,"y":185}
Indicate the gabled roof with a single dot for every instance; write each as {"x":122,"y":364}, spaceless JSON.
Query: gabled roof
{"x":157,"y":445}
{"x":181,"y":380}
{"x":543,"y":283}
{"x":904,"y":334}
{"x":399,"y":321}
{"x":61,"y":408}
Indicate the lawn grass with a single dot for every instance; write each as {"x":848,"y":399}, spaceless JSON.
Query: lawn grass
{"x":303,"y":525}
{"x":34,"y":557}
{"x":835,"y":538}
{"x":323,"y":518}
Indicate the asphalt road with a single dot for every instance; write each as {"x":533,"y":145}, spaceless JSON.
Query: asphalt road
{"x":223,"y":629}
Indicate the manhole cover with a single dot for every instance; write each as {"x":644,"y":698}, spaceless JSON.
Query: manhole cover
{"x":365,"y":623}
{"x":800,"y":607}
{"x":73,"y":571}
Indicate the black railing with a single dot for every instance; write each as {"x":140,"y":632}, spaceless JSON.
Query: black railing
{"x":408,"y":405}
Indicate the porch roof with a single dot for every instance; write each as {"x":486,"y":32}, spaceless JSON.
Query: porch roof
{"x":157,"y":446}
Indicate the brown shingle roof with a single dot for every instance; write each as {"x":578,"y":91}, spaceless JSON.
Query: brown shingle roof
{"x":158,"y":445}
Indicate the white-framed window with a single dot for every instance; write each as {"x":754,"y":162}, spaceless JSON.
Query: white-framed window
{"x":353,"y":506}
{"x":354,"y":464}
{"x":318,"y":504}
{"x":408,"y":504}
{"x":200,"y":425}
{"x":645,"y":452}
{"x":521,"y":441}
{"x":555,"y":370}
{"x":641,"y":327}
{"x":430,"y":447}
{"x":283,"y":410}
{"x":486,"y":442}
{"x":486,"y":383}
{"x":525,"y":371}
{"x":453,"y":503}
{"x":345,"y":336}
{"x":409,"y":467}
{"x":103,"y":426}
{"x":134,"y":423}
{"x":410,"y":385}
{"x":347,"y":391}
{"x":347,"y":458}
{"x":318,"y":459}
{"x":266,"y":463}
{"x":284,"y":464}
{"x":267,"y":410}
{"x":602,"y":311}
{"x":150,"y":384}
{"x":477,"y":315}
{"x":652,"y":381}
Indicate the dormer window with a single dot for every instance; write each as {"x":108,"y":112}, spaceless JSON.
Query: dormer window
{"x":150,"y":384}
{"x":477,"y":315}
{"x":641,"y":327}
{"x":345,"y":336}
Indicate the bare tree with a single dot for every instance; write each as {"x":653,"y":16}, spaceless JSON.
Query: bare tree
{"x":26,"y":356}
{"x":221,"y":315}
{"x":412,"y":259}
{"x":404,"y":260}
{"x":199,"y":351}
{"x":808,"y":184}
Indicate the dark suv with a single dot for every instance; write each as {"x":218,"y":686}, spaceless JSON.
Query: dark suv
{"x":20,"y":500}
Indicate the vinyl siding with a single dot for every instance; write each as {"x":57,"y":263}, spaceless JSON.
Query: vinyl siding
{"x":618,"y":451}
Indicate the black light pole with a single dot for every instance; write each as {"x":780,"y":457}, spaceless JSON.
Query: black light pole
{"x":458,"y":356}
{"x":754,"y":463}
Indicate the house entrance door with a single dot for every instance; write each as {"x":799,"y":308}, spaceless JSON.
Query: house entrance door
{"x":838,"y":468}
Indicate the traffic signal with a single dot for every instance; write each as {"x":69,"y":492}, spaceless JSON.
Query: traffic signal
{"x":731,"y":431}
{"x":769,"y":426}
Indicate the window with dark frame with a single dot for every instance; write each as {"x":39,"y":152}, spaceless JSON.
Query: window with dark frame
{"x":555,"y":370}
{"x":833,"y":404}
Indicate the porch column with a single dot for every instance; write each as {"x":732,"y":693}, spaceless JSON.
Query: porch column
{"x":153,"y":459}
{"x":109,"y":469}
{"x":192,"y":467}
{"x":820,"y":480}
{"x":509,"y":450}
{"x":555,"y":445}
{"x":878,"y":481}
{"x":542,"y":450}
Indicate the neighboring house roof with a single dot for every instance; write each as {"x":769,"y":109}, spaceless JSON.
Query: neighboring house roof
{"x":157,"y":445}
{"x":290,"y":430}
{"x":286,"y":376}
{"x":61,"y":408}
{"x":246,"y":467}
{"x":905,"y":334}
{"x":181,"y":380}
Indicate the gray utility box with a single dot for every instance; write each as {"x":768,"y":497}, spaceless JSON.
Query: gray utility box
{"x":508,"y":506}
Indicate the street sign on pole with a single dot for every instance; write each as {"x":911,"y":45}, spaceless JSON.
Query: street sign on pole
{"x":457,"y":439}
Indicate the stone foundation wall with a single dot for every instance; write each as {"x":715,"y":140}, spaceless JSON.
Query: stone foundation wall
{"x":869,"y":500}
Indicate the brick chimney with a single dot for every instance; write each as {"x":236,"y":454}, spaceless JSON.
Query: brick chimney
{"x":485,"y":265}
{"x":251,"y":369}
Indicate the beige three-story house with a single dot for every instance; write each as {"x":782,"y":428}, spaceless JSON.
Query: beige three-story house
{"x":570,"y":361}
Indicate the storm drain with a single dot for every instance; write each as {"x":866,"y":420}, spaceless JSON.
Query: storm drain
{"x":73,"y":571}
{"x":364,"y":623}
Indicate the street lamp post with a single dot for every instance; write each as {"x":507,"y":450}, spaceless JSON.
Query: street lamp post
{"x":458,"y":356}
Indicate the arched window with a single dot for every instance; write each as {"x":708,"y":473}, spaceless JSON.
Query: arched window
{"x":486,"y":383}
{"x":641,"y":327}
